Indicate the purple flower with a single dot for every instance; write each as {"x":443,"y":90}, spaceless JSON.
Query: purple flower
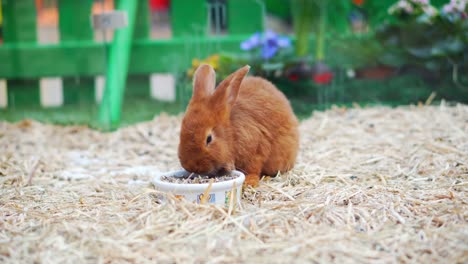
{"x":455,"y":6}
{"x":252,"y":42}
{"x":270,"y":43}
{"x":283,"y":42}
{"x":268,"y":51}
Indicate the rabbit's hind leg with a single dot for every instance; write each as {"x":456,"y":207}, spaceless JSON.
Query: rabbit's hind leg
{"x":282,"y":157}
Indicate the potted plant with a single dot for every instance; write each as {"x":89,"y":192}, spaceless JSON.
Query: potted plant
{"x":425,"y":40}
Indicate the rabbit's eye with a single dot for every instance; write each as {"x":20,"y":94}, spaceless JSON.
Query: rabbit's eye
{"x":209,"y":138}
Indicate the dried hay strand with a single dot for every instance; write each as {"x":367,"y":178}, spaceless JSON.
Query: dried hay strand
{"x":370,"y":185}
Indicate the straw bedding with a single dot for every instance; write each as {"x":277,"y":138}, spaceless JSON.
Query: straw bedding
{"x":370,"y":185}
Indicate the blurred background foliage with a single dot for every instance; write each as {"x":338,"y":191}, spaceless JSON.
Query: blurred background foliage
{"x":322,"y":53}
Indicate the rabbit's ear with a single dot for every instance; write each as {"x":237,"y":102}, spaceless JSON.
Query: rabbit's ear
{"x":227,"y":91}
{"x":204,"y":81}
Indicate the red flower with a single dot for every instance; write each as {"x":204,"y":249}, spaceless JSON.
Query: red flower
{"x":293,"y":77}
{"x":323,"y":78}
{"x":358,"y":2}
{"x":159,"y":5}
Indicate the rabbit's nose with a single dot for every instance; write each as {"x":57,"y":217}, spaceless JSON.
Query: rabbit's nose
{"x":188,"y":166}
{"x":195,"y":167}
{"x":222,"y":171}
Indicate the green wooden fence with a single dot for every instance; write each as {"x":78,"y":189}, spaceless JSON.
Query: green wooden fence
{"x":23,"y":61}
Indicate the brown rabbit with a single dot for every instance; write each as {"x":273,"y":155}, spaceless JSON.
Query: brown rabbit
{"x":245,"y":124}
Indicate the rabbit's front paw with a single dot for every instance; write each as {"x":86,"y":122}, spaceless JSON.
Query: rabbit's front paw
{"x":252,"y":180}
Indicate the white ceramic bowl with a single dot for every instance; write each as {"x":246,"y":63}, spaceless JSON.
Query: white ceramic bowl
{"x":220,"y":193}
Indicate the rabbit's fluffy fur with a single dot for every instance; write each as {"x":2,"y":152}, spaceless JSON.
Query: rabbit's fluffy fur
{"x":245,"y":124}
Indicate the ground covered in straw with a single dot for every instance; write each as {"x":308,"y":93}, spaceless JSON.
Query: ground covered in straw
{"x":370,"y":185}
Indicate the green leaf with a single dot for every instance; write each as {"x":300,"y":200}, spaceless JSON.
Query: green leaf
{"x":395,"y":59}
{"x":437,"y":51}
{"x":424,"y":19}
{"x":455,"y":45}
{"x":432,"y":65}
{"x":423,"y":53}
{"x":272,"y":66}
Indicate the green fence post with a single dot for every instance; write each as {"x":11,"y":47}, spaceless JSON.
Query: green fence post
{"x":139,"y":84}
{"x":75,"y":25}
{"x":142,"y":21}
{"x":117,"y":68}
{"x":239,"y":11}
{"x":19,"y":26}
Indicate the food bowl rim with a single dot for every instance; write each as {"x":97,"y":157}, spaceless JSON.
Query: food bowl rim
{"x":197,"y":187}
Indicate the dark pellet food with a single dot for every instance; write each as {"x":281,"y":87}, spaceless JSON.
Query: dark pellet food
{"x":196,"y":179}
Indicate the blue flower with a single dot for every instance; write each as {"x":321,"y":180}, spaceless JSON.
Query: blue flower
{"x":252,"y":42}
{"x":270,"y":43}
